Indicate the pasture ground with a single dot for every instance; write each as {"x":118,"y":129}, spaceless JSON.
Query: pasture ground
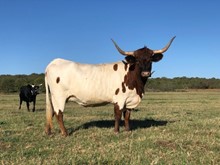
{"x":167,"y":128}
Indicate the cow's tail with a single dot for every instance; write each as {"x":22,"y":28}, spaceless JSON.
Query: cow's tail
{"x":49,"y":108}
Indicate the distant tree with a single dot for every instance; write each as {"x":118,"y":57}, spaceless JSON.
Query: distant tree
{"x":8,"y":85}
{"x":40,"y":80}
{"x":19,"y":82}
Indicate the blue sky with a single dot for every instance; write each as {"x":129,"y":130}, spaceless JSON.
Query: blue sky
{"x":34,"y":32}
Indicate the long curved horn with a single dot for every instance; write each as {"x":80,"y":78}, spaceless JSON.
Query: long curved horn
{"x":165,"y":48}
{"x":121,"y":51}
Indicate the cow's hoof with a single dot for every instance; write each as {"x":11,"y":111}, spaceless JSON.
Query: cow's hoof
{"x":116,"y":132}
{"x":48,"y":131}
{"x":65,"y":133}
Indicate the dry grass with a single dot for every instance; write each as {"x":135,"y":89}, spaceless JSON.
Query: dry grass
{"x":167,"y":128}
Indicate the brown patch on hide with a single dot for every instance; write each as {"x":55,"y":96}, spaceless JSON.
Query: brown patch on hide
{"x":133,"y":80}
{"x":115,"y":67}
{"x":116,"y":91}
{"x":58,"y":80}
{"x":123,"y":87}
{"x":125,"y":79}
{"x":126,"y":66}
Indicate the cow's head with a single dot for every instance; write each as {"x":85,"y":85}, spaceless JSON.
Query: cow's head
{"x":34,"y":89}
{"x":143,"y":58}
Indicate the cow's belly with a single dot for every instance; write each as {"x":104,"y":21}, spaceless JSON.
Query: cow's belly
{"x":90,"y":100}
{"x":27,"y":99}
{"x":123,"y":101}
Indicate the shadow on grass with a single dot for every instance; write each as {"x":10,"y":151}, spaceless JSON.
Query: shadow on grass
{"x":134,"y":124}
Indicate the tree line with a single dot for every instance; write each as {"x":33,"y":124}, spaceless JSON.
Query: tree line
{"x":182,"y":83}
{"x":12,"y":83}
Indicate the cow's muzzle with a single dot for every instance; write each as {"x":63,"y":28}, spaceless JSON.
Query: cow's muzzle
{"x":146,"y":74}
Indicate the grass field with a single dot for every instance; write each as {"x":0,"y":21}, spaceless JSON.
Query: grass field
{"x":167,"y":128}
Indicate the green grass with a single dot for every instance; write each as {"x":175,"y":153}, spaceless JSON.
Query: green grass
{"x":167,"y":128}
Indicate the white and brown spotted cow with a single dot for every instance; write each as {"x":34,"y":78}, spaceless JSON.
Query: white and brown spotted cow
{"x":121,"y":83}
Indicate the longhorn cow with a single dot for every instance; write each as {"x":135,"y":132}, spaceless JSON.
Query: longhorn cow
{"x":120,"y":83}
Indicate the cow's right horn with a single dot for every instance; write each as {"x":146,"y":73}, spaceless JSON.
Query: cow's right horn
{"x":121,"y":51}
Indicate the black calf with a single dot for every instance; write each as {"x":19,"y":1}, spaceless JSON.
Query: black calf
{"x":28,"y":94}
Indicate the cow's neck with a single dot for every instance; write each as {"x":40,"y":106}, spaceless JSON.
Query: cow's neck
{"x":134,"y":80}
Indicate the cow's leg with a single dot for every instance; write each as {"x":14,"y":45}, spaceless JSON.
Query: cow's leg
{"x":20,"y":103}
{"x":27,"y":103}
{"x":58,"y":102}
{"x":59,"y":117}
{"x":34,"y":102}
{"x":127,"y":114}
{"x":118,"y":114}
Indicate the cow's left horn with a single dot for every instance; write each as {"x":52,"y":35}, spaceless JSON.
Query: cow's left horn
{"x":121,"y":51}
{"x":165,"y":48}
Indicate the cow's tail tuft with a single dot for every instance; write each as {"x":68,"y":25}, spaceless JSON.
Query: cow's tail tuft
{"x":49,"y":108}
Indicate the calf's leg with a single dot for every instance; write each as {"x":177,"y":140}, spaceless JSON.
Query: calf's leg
{"x":27,"y":103}
{"x":20,"y":104}
{"x":34,"y":102}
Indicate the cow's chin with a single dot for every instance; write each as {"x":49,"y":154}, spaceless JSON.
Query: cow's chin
{"x":145,"y":74}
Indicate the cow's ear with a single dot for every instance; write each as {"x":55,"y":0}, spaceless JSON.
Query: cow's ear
{"x":156,"y":57}
{"x":130,"y":59}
